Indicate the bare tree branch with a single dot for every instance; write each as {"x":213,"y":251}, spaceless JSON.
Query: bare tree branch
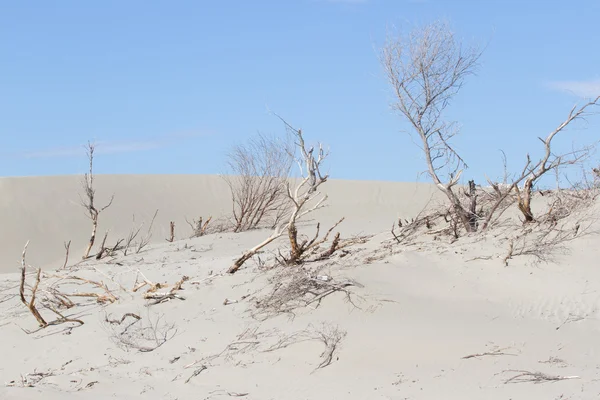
{"x":88,"y":202}
{"x":550,"y":161}
{"x":426,"y":69}
{"x":260,"y":169}
{"x":304,"y":198}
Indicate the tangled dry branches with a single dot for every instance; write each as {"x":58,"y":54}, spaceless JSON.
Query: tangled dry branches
{"x":139,"y":335}
{"x":298,"y":288}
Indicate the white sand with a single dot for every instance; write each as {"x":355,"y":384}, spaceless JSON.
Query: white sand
{"x":420,"y":310}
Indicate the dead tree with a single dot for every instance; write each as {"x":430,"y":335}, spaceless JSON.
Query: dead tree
{"x":171,"y":237}
{"x":304,"y":198}
{"x":550,"y":161}
{"x":522,"y":186}
{"x":88,"y":202}
{"x":259,"y":170}
{"x":426,"y":69}
{"x":304,"y":193}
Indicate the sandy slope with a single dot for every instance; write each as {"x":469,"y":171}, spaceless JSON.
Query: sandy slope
{"x":46,"y":210}
{"x":416,"y":313}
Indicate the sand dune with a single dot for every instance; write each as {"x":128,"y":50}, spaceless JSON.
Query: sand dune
{"x":436,"y":319}
{"x":47,"y":212}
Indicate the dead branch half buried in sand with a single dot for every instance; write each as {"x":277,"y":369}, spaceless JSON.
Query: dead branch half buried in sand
{"x":170,"y":295}
{"x":139,"y":335}
{"x":31,"y":303}
{"x":496,"y":352}
{"x":106,"y":297}
{"x":536,"y":377}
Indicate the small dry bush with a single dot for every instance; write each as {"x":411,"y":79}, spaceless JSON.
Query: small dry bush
{"x":259,"y":172}
{"x":569,"y":215}
{"x":132,"y":332}
{"x":291,"y":289}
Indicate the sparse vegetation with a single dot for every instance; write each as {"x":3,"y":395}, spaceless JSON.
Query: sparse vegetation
{"x":88,"y":201}
{"x":426,"y":69}
{"x":260,"y":169}
{"x":303,"y":199}
{"x":307,"y":267}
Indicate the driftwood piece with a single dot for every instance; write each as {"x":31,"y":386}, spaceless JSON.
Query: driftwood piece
{"x":161,"y":297}
{"x":31,"y":303}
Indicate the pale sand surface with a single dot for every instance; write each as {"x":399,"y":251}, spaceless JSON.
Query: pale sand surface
{"x":416,"y":313}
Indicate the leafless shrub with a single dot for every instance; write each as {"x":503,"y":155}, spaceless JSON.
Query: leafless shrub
{"x":139,"y":335}
{"x":297,"y":288}
{"x":495,"y":201}
{"x":567,"y":218}
{"x":564,"y":203}
{"x":144,"y":241}
{"x":260,"y":169}
{"x":312,"y":250}
{"x":304,"y":199}
{"x":108,"y":251}
{"x":132,"y":241}
{"x":251,"y":341}
{"x":331,"y":337}
{"x":544,"y":244}
{"x":246,"y":342}
{"x":431,"y":220}
{"x":198,"y":227}
{"x":88,"y":201}
{"x":550,"y":161}
{"x":426,"y":69}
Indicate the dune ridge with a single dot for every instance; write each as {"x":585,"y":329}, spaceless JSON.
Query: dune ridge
{"x":47,"y":211}
{"x":438,"y":318}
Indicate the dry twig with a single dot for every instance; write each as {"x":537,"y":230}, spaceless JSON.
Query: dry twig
{"x":536,"y":377}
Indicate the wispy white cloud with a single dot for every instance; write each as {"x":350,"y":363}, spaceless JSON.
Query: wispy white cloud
{"x":109,"y":147}
{"x":578,"y":88}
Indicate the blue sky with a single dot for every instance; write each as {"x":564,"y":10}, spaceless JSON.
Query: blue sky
{"x":167,"y":87}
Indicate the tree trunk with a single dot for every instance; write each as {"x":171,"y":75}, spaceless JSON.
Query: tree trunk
{"x":295,"y":251}
{"x":86,"y":254}
{"x":473,"y":206}
{"x":525,"y":201}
